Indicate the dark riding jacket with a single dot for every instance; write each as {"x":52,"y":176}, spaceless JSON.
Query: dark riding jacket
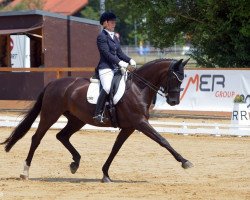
{"x":110,"y":51}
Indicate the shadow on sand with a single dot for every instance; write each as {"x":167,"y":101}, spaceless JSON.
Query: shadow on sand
{"x":70,"y":180}
{"x":81,"y":180}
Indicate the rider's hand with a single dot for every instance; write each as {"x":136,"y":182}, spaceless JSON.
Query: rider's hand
{"x":131,"y":68}
{"x":132,"y":62}
{"x":123,"y":64}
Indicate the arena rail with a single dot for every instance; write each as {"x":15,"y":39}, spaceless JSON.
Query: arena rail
{"x":182,"y":128}
{"x":58,"y":70}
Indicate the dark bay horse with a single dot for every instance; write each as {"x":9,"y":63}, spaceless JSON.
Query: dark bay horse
{"x":67,"y":96}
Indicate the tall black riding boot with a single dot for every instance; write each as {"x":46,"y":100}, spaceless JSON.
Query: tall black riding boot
{"x":99,"y":118}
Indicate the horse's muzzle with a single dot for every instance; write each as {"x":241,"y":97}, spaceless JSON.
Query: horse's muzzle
{"x":173,"y":102}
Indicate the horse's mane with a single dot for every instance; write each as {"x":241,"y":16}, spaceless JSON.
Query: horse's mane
{"x":137,"y":71}
{"x":152,"y":63}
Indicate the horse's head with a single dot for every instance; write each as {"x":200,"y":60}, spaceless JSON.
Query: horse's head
{"x":174,"y":80}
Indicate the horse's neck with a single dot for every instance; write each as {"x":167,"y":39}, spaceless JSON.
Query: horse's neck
{"x":154,"y":73}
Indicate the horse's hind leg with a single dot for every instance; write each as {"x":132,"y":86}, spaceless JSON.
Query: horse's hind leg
{"x":73,"y":125}
{"x":43,"y":127}
{"x":46,"y":121}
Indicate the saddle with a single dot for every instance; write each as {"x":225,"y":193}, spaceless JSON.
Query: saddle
{"x":117,"y":90}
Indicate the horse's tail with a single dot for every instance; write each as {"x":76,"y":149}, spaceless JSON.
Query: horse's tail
{"x":24,"y":125}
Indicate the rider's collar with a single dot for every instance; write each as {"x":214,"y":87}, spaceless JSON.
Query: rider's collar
{"x":110,"y":33}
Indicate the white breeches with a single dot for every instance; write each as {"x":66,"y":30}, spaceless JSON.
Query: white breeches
{"x":106,"y":77}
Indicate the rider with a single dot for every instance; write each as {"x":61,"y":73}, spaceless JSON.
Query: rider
{"x":111,"y":59}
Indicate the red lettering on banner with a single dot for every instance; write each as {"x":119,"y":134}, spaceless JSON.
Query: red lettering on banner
{"x":225,"y":94}
{"x":191,"y":80}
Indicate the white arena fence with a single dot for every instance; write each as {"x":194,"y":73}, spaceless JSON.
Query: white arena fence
{"x":161,"y":126}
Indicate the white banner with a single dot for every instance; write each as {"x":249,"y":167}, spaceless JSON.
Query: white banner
{"x":210,"y":90}
{"x":20,"y":51}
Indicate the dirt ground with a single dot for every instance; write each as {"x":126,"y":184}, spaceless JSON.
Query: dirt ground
{"x":141,"y":170}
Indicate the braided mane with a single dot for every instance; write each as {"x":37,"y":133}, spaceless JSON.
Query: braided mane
{"x":153,"y":62}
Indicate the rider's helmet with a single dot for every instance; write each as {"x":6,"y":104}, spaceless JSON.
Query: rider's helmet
{"x":107,"y":16}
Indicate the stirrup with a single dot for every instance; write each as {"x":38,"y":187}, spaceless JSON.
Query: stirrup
{"x":100,"y":119}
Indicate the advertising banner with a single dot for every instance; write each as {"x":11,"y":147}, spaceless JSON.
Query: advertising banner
{"x":210,"y":90}
{"x":20,"y":51}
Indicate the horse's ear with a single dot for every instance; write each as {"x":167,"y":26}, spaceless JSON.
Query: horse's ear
{"x":185,"y":62}
{"x":177,"y":65}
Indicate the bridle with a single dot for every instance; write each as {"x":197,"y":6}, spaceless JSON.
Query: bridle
{"x":178,"y":78}
{"x":164,"y":90}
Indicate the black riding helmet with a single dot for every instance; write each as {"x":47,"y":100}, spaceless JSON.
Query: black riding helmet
{"x":107,"y":16}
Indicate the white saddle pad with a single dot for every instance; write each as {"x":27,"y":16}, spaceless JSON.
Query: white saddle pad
{"x":94,"y":88}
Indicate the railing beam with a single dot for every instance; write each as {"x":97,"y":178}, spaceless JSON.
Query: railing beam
{"x":58,"y":70}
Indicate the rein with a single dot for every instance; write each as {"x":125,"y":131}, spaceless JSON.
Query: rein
{"x":152,"y":86}
{"x":149,"y":84}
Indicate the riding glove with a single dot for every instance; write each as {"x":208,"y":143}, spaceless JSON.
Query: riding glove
{"x":123,"y":70}
{"x":123,"y":64}
{"x":132,"y":62}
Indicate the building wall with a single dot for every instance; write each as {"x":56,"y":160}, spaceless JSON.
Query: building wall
{"x":65,"y":43}
{"x":20,"y":85}
{"x":69,"y":44}
{"x":20,"y":22}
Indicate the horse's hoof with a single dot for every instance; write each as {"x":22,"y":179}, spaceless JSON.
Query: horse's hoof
{"x":24,"y":177}
{"x":74,"y":167}
{"x":106,"y":179}
{"x":187,"y":165}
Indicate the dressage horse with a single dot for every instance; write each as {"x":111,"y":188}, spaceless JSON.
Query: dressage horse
{"x":67,"y":96}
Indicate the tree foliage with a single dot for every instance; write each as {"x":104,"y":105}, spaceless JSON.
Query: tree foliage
{"x":91,"y":11}
{"x":125,"y":22}
{"x":219,"y":30}
{"x":126,"y":19}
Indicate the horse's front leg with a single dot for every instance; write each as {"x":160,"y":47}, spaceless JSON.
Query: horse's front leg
{"x":149,"y":131}
{"x":121,"y":138}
